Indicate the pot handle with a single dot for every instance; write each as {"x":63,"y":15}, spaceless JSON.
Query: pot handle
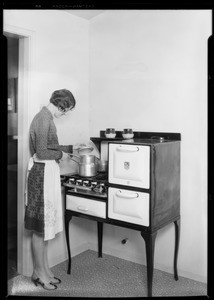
{"x":97,"y":159}
{"x":74,"y":160}
{"x":71,"y":154}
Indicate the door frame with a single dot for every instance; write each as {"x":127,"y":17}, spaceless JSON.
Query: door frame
{"x":26,"y":44}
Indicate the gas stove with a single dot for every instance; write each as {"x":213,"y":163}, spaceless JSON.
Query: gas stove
{"x":95,"y":186}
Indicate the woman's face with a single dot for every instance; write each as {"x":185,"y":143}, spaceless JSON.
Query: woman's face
{"x":59,"y":112}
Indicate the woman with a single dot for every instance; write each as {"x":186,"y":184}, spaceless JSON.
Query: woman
{"x":43,"y":213}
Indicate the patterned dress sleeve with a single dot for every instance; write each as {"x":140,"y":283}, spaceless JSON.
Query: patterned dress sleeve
{"x":66,"y":148}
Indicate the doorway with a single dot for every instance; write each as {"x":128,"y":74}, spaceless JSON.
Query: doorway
{"x":12,"y":149}
{"x":21,"y":88}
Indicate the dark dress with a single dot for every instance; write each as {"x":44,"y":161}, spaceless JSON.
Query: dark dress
{"x":44,"y":143}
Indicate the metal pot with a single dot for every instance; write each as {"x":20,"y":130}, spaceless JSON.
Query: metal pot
{"x":102,"y":165}
{"x":87,"y":165}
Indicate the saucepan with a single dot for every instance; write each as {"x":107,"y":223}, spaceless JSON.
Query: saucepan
{"x":102,"y":165}
{"x":89,"y":164}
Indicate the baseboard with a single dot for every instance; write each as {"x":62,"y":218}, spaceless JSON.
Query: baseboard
{"x":120,"y":254}
{"x":138,"y":259}
{"x":182,"y":273}
{"x":127,"y":256}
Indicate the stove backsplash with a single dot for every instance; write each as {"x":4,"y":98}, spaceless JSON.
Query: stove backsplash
{"x":104,"y":150}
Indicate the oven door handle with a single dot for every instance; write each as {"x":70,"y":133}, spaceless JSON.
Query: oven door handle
{"x":126,"y":196}
{"x":82,"y":208}
{"x":127,"y":149}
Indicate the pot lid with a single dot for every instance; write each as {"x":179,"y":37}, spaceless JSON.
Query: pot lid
{"x":85,"y":150}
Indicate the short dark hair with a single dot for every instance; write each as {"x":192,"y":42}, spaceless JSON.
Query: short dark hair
{"x":63,"y":99}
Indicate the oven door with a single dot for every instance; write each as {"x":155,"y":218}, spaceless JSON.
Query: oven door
{"x":129,"y":165}
{"x":128,"y":206}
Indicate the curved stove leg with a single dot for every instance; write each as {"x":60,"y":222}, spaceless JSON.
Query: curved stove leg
{"x":100,"y":238}
{"x":67,"y":220}
{"x":150,"y":249}
{"x":177,"y":238}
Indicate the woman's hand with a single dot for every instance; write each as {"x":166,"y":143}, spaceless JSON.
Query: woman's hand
{"x":64,"y":156}
{"x":78,"y":146}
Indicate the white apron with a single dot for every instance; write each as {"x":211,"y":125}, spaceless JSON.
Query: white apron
{"x":53,"y":217}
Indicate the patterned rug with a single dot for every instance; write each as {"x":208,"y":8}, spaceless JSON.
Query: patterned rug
{"x":108,"y":276}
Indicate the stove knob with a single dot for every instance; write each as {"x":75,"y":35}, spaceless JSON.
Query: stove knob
{"x":102,"y":186}
{"x":93,"y":183}
{"x":79,"y":182}
{"x":72,"y":180}
{"x":86,"y":183}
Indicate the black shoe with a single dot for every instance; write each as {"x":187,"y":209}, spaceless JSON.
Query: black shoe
{"x":55,"y":282}
{"x":38,"y":281}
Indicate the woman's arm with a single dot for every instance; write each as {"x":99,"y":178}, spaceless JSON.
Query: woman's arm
{"x":67,"y":149}
{"x":43,"y":132}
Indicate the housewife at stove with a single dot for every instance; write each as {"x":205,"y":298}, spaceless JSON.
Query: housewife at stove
{"x":43,"y":214}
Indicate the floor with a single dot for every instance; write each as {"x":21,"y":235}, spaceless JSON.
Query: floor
{"x":108,"y":276}
{"x":12,"y":264}
{"x":12,"y":219}
{"x":12,"y":253}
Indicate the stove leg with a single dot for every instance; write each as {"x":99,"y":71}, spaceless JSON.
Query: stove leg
{"x":67,"y":220}
{"x":150,"y":247}
{"x":100,"y":237}
{"x":177,"y":238}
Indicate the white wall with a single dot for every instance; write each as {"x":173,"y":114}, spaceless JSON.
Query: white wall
{"x":148,"y":71}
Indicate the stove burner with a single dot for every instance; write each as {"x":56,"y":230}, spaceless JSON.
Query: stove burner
{"x":99,"y":176}
{"x":94,"y":186}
